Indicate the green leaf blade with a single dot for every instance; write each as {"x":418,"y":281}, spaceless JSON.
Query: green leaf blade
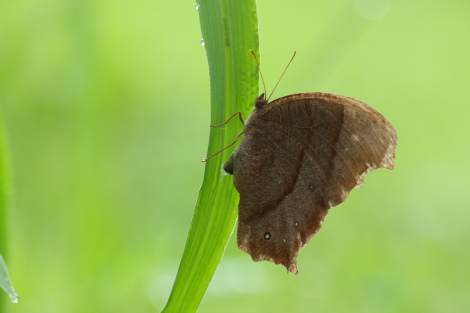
{"x":230,"y":30}
{"x":5,"y":192}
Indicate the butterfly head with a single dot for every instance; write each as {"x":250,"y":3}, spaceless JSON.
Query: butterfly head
{"x":260,"y":101}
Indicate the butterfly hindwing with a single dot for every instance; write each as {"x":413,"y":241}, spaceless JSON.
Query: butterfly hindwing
{"x":301,"y":155}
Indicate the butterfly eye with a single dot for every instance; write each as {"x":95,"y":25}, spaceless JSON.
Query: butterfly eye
{"x":267,"y":236}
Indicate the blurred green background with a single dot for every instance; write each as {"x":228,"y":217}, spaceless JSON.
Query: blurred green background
{"x":107,"y":109}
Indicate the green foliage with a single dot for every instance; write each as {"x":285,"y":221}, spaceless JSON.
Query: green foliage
{"x":229,"y":29}
{"x":5,"y":282}
{"x":4,"y":198}
{"x":106,"y":106}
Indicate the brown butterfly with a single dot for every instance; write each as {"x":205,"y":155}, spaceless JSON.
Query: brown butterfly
{"x":301,"y":155}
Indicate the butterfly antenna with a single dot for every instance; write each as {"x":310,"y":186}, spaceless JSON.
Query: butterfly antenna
{"x":259,"y":70}
{"x":282,"y":74}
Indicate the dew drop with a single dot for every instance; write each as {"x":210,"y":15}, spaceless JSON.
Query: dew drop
{"x":285,"y":240}
{"x":15,"y":298}
{"x":267,"y":236}
{"x":202,"y":42}
{"x":340,"y":171}
{"x":311,"y":187}
{"x":197,"y":6}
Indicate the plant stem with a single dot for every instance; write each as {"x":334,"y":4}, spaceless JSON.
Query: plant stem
{"x":229,"y":29}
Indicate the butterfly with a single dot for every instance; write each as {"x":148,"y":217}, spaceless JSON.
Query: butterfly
{"x":300,"y":156}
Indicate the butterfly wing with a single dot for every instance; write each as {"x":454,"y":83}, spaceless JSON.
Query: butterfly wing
{"x":300,"y":156}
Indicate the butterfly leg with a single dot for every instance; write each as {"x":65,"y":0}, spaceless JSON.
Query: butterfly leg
{"x":234,"y":142}
{"x":239,"y":113}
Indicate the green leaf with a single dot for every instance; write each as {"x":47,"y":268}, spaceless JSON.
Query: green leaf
{"x":5,"y":282}
{"x":5,"y":187}
{"x":229,"y":29}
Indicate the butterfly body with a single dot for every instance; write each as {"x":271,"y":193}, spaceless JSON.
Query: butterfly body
{"x":301,"y":155}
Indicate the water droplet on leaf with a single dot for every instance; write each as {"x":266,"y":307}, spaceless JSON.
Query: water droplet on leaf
{"x":15,"y":298}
